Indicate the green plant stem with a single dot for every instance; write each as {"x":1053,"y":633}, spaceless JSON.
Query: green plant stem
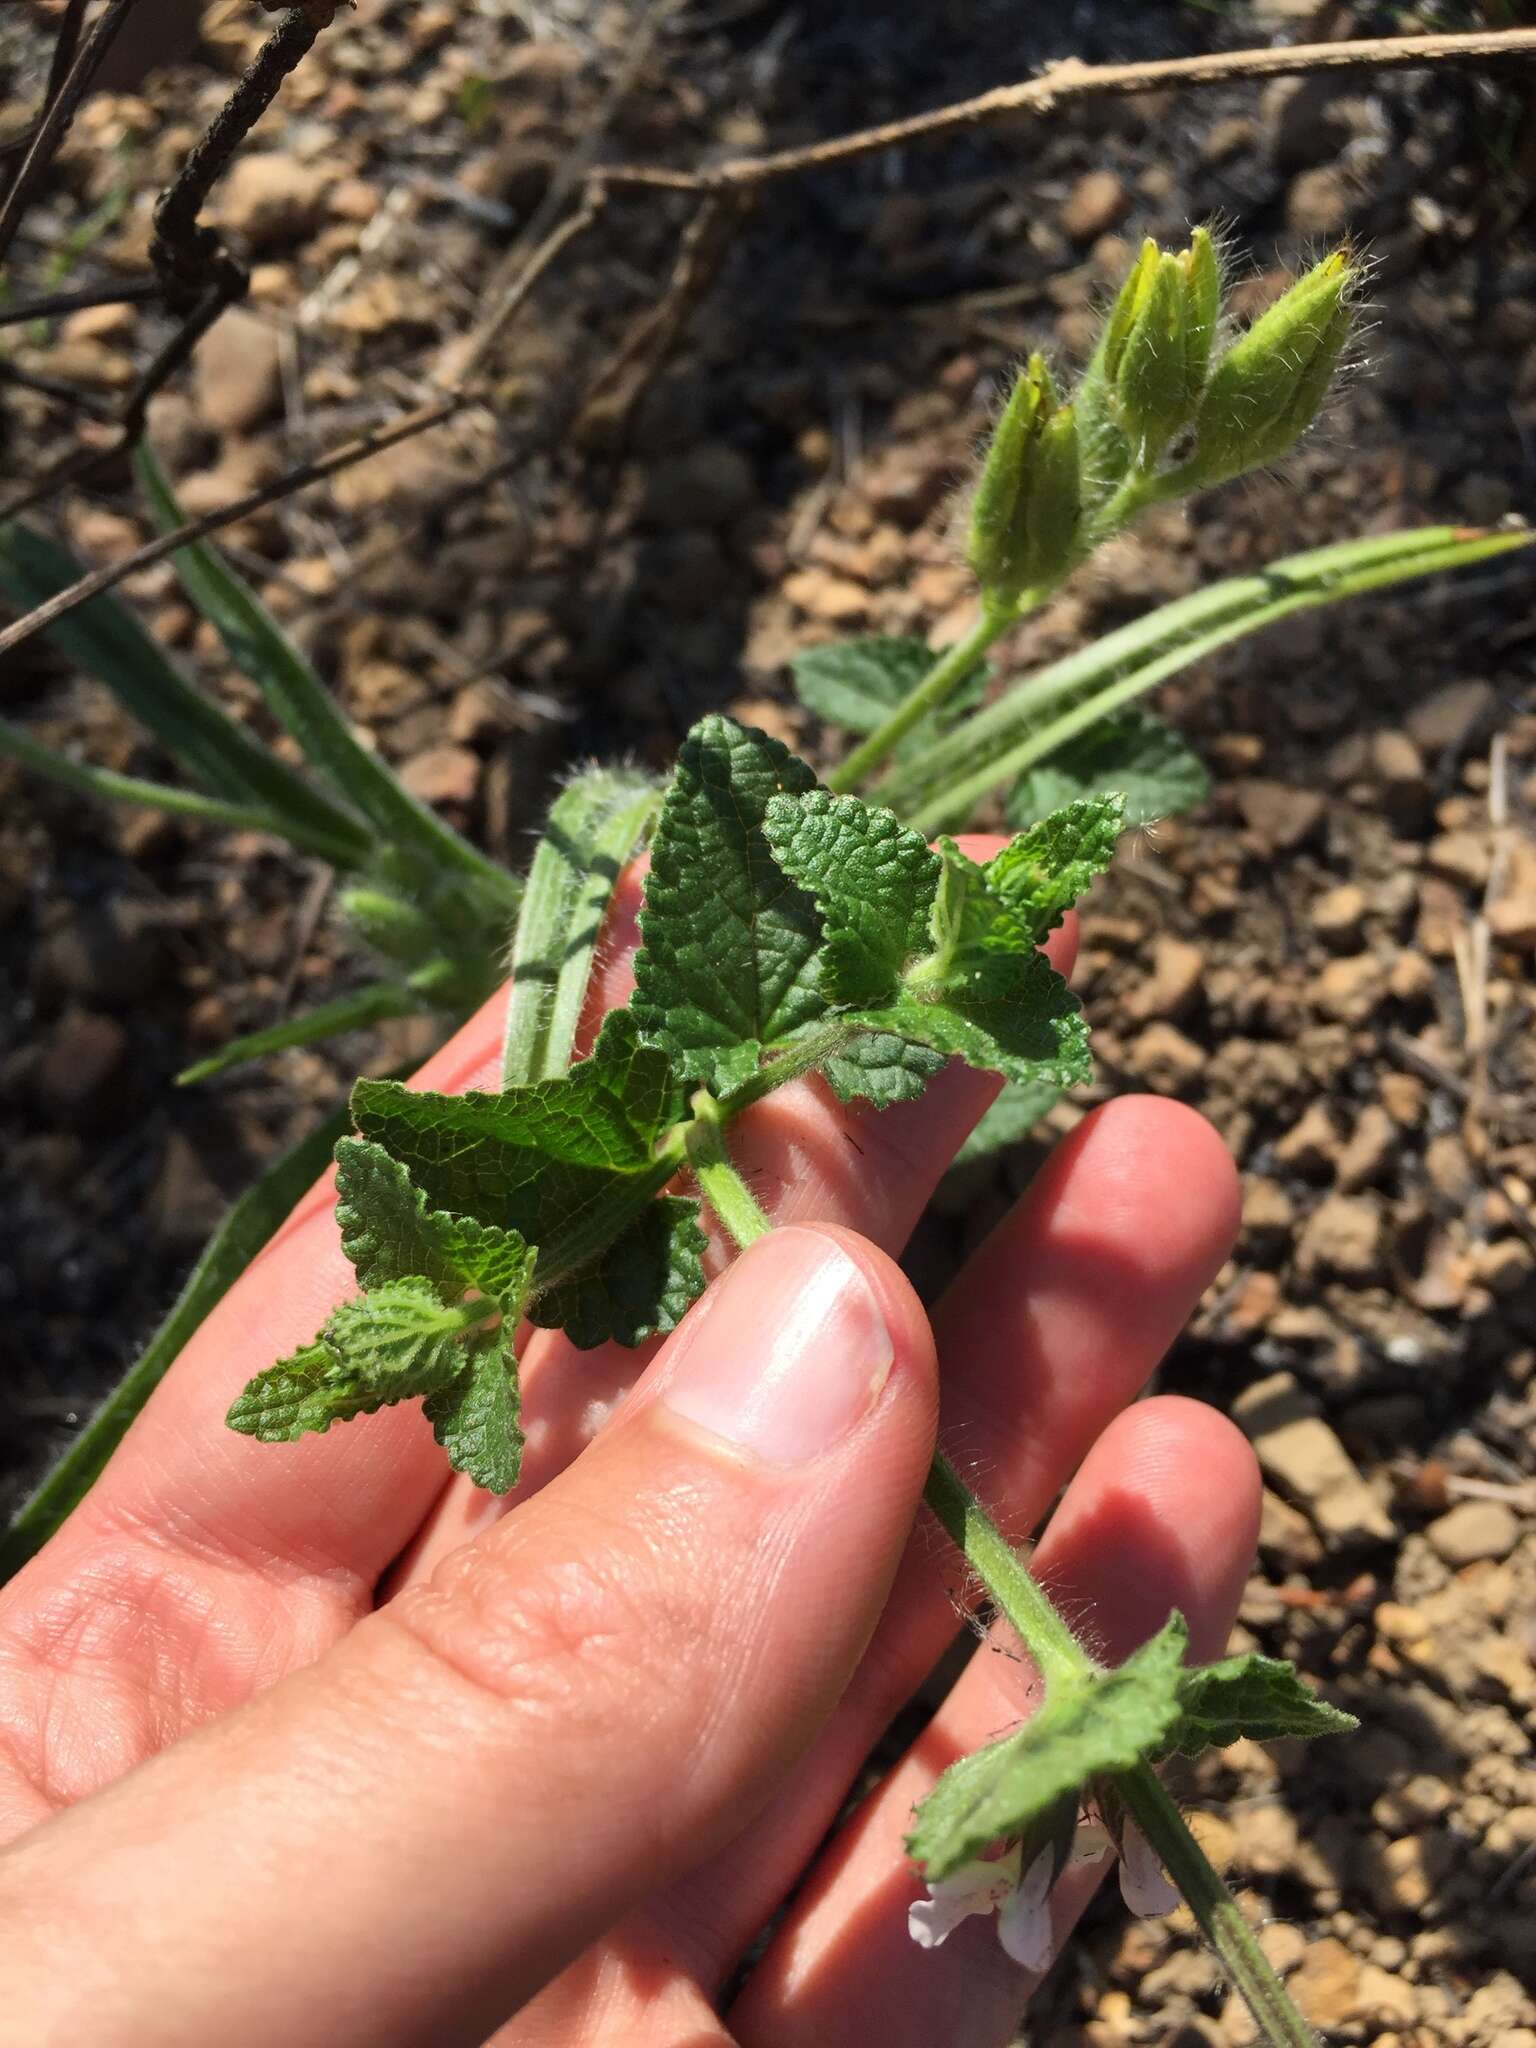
{"x":1214,"y":1907}
{"x":800,"y":1058}
{"x":937,"y":687}
{"x":1060,"y":1658}
{"x":735,"y":1206}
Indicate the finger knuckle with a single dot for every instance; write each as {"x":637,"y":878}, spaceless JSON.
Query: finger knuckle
{"x":576,"y":1633}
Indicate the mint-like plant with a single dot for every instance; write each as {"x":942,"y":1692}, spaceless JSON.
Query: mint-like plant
{"x":790,"y":928}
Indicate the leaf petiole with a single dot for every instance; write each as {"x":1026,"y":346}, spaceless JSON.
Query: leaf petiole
{"x":735,"y":1206}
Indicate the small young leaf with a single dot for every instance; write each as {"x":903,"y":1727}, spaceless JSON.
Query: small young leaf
{"x":531,"y":1158}
{"x":399,"y":1339}
{"x":979,"y":989}
{"x":1260,"y":1697}
{"x":727,"y":959}
{"x":881,"y":1068}
{"x":1131,"y":752}
{"x":1105,"y":1725}
{"x":383,"y":1219}
{"x":873,"y":881}
{"x":390,"y":1234}
{"x":307,"y":1391}
{"x":474,"y":1417}
{"x":1041,"y":873}
{"x":857,"y":684}
{"x":640,"y":1287}
{"x":495,"y":1262}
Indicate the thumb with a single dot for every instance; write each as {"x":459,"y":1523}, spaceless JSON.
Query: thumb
{"x":402,"y":1843}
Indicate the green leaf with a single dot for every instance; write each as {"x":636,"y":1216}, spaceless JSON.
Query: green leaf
{"x":386,"y":1229}
{"x":363,"y":1006}
{"x":475,"y":1417}
{"x":1012,"y":1117}
{"x":249,"y":1225}
{"x":984,"y":993}
{"x":872,"y":880}
{"x":1260,"y":1697}
{"x":497,"y":1263}
{"x":531,"y":1159}
{"x":595,"y":826}
{"x":260,"y":649}
{"x":641,"y":1286}
{"x":857,"y":684}
{"x":110,"y":787}
{"x":1041,"y":873}
{"x":978,"y":988}
{"x":1131,"y":752}
{"x":1104,"y":1725}
{"x":990,"y":749}
{"x":389,"y":1234}
{"x":307,"y":1391}
{"x":103,"y":637}
{"x":728,"y":942}
{"x":881,"y":1068}
{"x":399,"y":1339}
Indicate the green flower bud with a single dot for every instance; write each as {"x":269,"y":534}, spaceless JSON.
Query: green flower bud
{"x":1157,"y":343}
{"x":1132,"y":297}
{"x":1024,"y":514}
{"x":1266,"y":390}
{"x":1152,"y":383}
{"x":1054,"y":499}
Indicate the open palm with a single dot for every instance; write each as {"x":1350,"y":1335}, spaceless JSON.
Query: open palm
{"x":413,"y":1763}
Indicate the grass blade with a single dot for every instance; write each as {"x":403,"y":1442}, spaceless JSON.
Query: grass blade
{"x":252,"y":1220}
{"x":370,"y":1005}
{"x":594,"y":827}
{"x":998,"y":743}
{"x":111,"y":787}
{"x":261,"y":650}
{"x":104,"y":638}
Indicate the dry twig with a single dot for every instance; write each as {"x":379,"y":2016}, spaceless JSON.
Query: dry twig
{"x":1071,"y":80}
{"x":1058,"y":86}
{"x":59,"y":110}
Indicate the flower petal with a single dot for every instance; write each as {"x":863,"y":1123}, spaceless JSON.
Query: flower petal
{"x":1144,"y":1884}
{"x":1024,"y":1921}
{"x":973,"y":1888}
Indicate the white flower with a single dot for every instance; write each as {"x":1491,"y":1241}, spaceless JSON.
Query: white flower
{"x":1021,"y":1897}
{"x":973,"y":1888}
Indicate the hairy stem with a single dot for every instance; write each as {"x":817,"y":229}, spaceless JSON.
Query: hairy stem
{"x":798,"y":1059}
{"x":949,"y":671}
{"x":1062,"y":1661}
{"x":1058,"y":1655}
{"x":1214,"y":1907}
{"x":736,"y":1207}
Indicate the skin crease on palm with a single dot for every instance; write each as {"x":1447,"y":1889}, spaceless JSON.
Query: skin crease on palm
{"x":349,"y":1754}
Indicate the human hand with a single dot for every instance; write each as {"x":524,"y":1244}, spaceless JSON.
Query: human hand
{"x":570,"y":1759}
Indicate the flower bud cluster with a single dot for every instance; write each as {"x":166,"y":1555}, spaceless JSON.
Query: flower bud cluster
{"x":1058,"y":477}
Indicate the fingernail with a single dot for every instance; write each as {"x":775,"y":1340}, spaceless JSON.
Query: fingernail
{"x":793,"y":1351}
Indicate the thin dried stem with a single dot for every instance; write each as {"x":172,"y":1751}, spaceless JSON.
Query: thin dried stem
{"x":144,"y":292}
{"x":65,"y":44}
{"x":486,"y":335}
{"x":57,"y":116}
{"x":113,"y":573}
{"x":1071,"y":80}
